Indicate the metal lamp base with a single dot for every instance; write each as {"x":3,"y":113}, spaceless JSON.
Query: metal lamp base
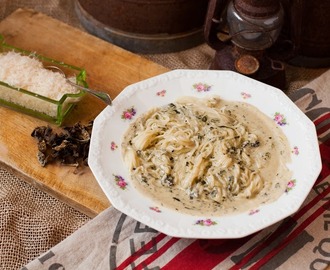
{"x":267,"y":70}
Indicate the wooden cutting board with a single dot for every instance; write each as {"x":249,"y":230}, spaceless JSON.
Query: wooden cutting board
{"x":109,"y":68}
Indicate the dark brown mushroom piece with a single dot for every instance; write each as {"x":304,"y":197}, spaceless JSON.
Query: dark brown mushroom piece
{"x":68,"y":147}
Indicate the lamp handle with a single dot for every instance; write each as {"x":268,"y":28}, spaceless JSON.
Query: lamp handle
{"x":213,"y":22}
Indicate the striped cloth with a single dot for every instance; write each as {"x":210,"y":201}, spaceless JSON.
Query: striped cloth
{"x":113,"y":240}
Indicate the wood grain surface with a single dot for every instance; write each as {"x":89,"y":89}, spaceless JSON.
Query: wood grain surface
{"x":109,"y":68}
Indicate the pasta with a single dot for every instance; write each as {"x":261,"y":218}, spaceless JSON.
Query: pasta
{"x":198,"y":146}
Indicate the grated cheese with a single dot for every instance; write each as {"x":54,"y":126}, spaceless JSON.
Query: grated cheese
{"x":28,"y":73}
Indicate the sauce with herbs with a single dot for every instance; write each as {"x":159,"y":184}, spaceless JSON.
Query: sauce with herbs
{"x":207,"y":156}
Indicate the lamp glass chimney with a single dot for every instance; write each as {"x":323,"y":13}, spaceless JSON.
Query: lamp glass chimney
{"x":253,"y":33}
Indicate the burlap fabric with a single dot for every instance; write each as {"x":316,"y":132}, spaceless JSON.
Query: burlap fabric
{"x":31,"y":222}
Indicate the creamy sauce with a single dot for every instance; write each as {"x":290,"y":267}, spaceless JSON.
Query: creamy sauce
{"x":272,"y":153}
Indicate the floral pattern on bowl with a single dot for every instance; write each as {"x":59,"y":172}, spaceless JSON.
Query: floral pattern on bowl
{"x":128,"y":114}
{"x":291,"y":184}
{"x":113,"y":146}
{"x":161,"y":93}
{"x":253,"y":212}
{"x":280,"y":119}
{"x":245,"y":95}
{"x":202,"y":87}
{"x":155,"y":208}
{"x":120,"y":181}
{"x":206,"y":222}
{"x":295,"y":150}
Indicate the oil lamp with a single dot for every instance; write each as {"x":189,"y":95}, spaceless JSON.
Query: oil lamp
{"x":242,"y":32}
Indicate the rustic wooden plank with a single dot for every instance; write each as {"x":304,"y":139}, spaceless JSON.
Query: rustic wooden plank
{"x":109,"y":69}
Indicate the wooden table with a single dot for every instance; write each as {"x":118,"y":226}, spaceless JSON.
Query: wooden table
{"x":109,"y":69}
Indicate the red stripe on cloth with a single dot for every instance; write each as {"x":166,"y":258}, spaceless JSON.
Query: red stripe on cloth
{"x":323,"y":129}
{"x":157,"y":254}
{"x":205,"y":256}
{"x":293,"y":235}
{"x":280,"y":230}
{"x":141,"y":251}
{"x":325,"y":154}
{"x":321,"y":119}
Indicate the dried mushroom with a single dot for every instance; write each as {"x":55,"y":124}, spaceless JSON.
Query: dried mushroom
{"x":69,"y":147}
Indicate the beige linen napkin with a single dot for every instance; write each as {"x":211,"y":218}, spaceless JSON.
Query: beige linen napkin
{"x":113,"y":240}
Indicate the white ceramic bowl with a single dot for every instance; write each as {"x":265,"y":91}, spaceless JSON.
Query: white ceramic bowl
{"x":106,"y":163}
